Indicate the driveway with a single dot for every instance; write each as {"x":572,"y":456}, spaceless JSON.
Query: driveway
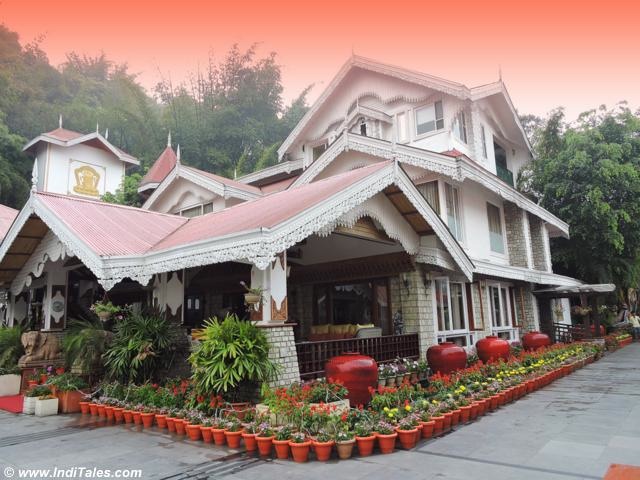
{"x":572,"y":429}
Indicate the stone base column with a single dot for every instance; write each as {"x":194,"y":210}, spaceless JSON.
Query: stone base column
{"x":282,"y":351}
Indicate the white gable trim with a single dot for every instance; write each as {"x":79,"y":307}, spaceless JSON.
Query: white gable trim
{"x":280,"y":168}
{"x":524,"y":274}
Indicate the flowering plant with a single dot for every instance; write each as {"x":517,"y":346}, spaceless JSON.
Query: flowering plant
{"x":283,"y":433}
{"x":384,"y":428}
{"x":323,"y":436}
{"x":344,"y":436}
{"x":298,"y":437}
{"x":265,"y":430}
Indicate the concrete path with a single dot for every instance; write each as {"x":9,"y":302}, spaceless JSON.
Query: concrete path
{"x":572,"y":429}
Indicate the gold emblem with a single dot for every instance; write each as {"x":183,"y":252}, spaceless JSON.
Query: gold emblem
{"x":86,"y":181}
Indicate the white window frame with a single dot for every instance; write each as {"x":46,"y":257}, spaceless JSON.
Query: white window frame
{"x":502,"y":228}
{"x":465,"y":318}
{"x":402,"y":131}
{"x":460,"y":126}
{"x":436,"y":129}
{"x":459,"y":236}
{"x":505,"y":310}
{"x":483,"y":136}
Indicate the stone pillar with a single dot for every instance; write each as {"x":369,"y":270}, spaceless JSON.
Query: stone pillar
{"x":540,"y":244}
{"x":527,"y":308}
{"x":168,"y":294}
{"x":412,"y":294}
{"x":282,"y":351}
{"x":518,"y":236}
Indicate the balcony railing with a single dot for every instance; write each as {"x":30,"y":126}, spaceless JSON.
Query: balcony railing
{"x":312,"y":356}
{"x":505,"y":175}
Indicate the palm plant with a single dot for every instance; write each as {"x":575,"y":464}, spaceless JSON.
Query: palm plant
{"x":11,"y":348}
{"x":143,"y":344}
{"x":84,"y":343}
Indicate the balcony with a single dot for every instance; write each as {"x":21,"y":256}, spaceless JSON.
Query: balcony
{"x":505,"y":175}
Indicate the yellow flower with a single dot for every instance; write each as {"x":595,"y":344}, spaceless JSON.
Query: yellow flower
{"x":386,"y":409}
{"x":407,"y":408}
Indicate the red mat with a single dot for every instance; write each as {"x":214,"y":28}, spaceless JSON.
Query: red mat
{"x":11,"y":403}
{"x":622,"y":472}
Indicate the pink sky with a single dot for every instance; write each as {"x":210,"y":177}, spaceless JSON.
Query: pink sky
{"x":578,"y":54}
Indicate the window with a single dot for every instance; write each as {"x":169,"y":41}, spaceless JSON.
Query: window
{"x":429,"y":118}
{"x":318,"y":150}
{"x":401,"y":122}
{"x":207,"y":208}
{"x":192,"y":212}
{"x":363,"y":127}
{"x":501,"y":301}
{"x":454,"y":220}
{"x":450,"y":306}
{"x":430,"y":193}
{"x":483,"y":136}
{"x":496,"y":241}
{"x":460,"y":127}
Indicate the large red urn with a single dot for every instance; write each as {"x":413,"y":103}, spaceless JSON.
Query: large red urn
{"x":535,"y":340}
{"x":492,"y":348}
{"x":446,"y":357}
{"x":356,"y":372}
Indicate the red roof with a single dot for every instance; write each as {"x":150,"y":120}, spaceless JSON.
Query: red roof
{"x":108,"y":229}
{"x":278,"y":186}
{"x":265,"y":212}
{"x":7,"y":216}
{"x":63,"y":134}
{"x":161,"y":167}
{"x":453,"y":153}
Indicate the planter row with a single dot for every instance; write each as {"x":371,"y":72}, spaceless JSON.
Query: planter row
{"x":285,"y":449}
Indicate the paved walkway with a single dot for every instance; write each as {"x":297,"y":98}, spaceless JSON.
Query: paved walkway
{"x":572,"y":429}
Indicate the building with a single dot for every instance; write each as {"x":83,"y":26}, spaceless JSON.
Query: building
{"x":392,"y":208}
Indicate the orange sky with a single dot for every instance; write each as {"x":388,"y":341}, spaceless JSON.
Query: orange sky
{"x":579,"y":54}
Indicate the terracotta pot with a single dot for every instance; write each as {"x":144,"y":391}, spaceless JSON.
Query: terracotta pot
{"x":299,"y":451}
{"x":101,"y":411}
{"x":218,"y":436}
{"x":323,"y":450}
{"x":446,"y":357}
{"x":464,"y":413}
{"x":345,"y":449}
{"x":207,"y":436}
{"x":446,"y":425}
{"x":365,"y":445}
{"x":492,"y":348}
{"x":455,"y":417}
{"x":84,"y":407}
{"x":418,"y":432}
{"x":32,"y":383}
{"x":59,"y":370}
{"x":535,"y":340}
{"x":407,"y":438}
{"x":494,"y":400}
{"x":43,"y":378}
{"x":128,"y":416}
{"x":356,"y":372}
{"x":118,"y":415}
{"x":282,"y":449}
{"x":250,"y":443}
{"x":171,"y":424}
{"x":233,"y":438}
{"x":137,"y":419}
{"x":265,"y":445}
{"x":387,"y":443}
{"x":108,"y":412}
{"x":427,"y":428}
{"x":180,"y":426}
{"x":147,"y":419}
{"x":161,"y":420}
{"x":193,"y":432}
{"x":438,"y":425}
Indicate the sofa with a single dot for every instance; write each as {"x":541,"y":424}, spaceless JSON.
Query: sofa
{"x":336,"y":332}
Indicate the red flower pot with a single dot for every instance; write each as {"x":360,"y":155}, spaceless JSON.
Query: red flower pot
{"x":118,"y":414}
{"x":387,"y":443}
{"x":108,"y":412}
{"x":84,"y":408}
{"x":233,"y":438}
{"x":137,"y":419}
{"x":282,"y":449}
{"x":446,"y":425}
{"x":250,"y":443}
{"x":323,"y":450}
{"x":59,"y":370}
{"x":495,"y":401}
{"x":101,"y":411}
{"x":193,"y":432}
{"x":427,"y":428}
{"x":128,"y":416}
{"x":180,"y":426}
{"x":455,"y":417}
{"x":365,"y":445}
{"x":32,"y":383}
{"x":418,"y":432}
{"x":161,"y":421}
{"x":407,"y":438}
{"x":299,"y":451}
{"x":207,"y":436}
{"x":535,"y":340}
{"x":492,"y":348}
{"x":438,"y":425}
{"x":473,"y":413}
{"x":218,"y":436}
{"x":265,"y":444}
{"x":446,"y":357}
{"x":171,"y":424}
{"x":356,"y":372}
{"x":465,"y":413}
{"x":147,"y":419}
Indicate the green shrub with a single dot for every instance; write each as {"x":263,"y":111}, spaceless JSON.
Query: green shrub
{"x":67,"y":382}
{"x":84,"y":343}
{"x":10,"y":346}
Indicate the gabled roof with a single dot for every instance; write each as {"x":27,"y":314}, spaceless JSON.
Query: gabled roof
{"x":67,"y":138}
{"x":7,"y":216}
{"x":159,"y":170}
{"x":223,"y":180}
{"x":436,"y":83}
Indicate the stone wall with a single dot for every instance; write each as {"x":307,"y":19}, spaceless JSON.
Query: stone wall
{"x":538,"y":243}
{"x":481,"y":315}
{"x":518,"y":238}
{"x":282,"y":352}
{"x":416,"y":304}
{"x":525,"y":301}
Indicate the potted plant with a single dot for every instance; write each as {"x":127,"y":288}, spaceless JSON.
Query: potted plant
{"x":249,"y":436}
{"x":193,"y":426}
{"x":29,"y":403}
{"x":386,"y":434}
{"x":407,"y":431}
{"x":365,"y":439}
{"x":205,"y":430}
{"x":179,"y":422}
{"x":264,"y":439}
{"x":9,"y":381}
{"x":46,"y":405}
{"x":233,"y":432}
{"x":69,"y":391}
{"x":323,"y":445}
{"x":104,"y":309}
{"x":382,"y":375}
{"x":83,"y":345}
{"x":217,"y":431}
{"x":299,"y":447}
{"x":345,"y":440}
{"x":281,"y":441}
{"x":161,"y":417}
{"x":253,"y":295}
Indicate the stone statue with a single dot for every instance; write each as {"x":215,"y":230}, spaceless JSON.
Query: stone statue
{"x":39,"y":348}
{"x":398,"y":323}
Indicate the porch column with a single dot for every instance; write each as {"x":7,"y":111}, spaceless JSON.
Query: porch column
{"x":412,"y":294}
{"x":271,"y":315}
{"x":55,"y":300}
{"x":168,"y":294}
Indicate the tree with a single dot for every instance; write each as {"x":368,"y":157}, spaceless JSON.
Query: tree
{"x":587,"y":173}
{"x":14,"y":168}
{"x":127,"y":194}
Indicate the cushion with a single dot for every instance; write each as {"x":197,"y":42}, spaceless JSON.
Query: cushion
{"x":368,"y":325}
{"x":320,"y":329}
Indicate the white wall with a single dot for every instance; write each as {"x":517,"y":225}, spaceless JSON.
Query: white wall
{"x":182,"y":194}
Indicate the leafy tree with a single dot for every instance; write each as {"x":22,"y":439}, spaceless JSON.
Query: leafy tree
{"x":127,"y":194}
{"x":588,"y":174}
{"x":14,"y":168}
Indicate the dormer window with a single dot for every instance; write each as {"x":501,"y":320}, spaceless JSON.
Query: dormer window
{"x":319,"y":150}
{"x":363,"y":126}
{"x":429,"y":118}
{"x":460,"y":127}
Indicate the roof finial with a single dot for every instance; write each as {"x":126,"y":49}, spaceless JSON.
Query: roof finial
{"x":169,"y":139}
{"x":106,"y":134}
{"x":500,"y":72}
{"x":34,"y":177}
{"x":178,"y":153}
{"x":60,"y":121}
{"x":97,"y":127}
